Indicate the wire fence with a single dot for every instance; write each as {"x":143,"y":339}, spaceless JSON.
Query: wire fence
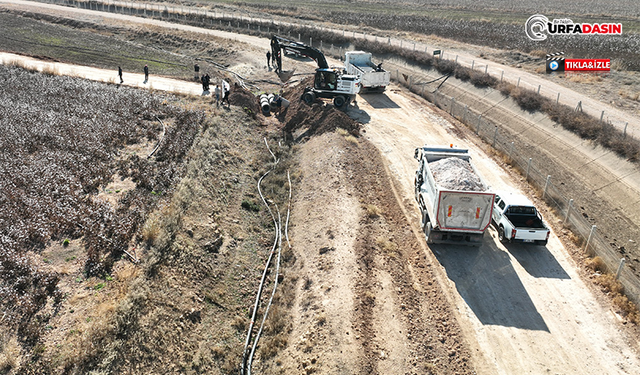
{"x":521,"y":157}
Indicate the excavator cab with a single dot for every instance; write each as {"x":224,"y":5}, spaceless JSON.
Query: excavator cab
{"x":326,"y":79}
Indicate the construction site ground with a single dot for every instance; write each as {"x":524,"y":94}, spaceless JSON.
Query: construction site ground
{"x":370,"y":295}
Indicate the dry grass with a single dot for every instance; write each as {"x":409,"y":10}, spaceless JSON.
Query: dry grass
{"x":151,"y":230}
{"x":347,"y":136}
{"x":596,"y":264}
{"x":627,"y":308}
{"x":9,"y":353}
{"x":627,"y":95}
{"x":584,"y":78}
{"x":610,"y":284}
{"x":372,"y":211}
{"x":539,"y":53}
{"x":387,"y":245}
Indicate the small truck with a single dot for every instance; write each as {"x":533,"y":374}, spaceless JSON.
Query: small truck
{"x":454,"y":201}
{"x":373,"y":78}
{"x":517,"y":220}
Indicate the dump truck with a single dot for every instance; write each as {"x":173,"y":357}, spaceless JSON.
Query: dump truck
{"x":373,"y":77}
{"x":518,"y":220}
{"x":455,"y":203}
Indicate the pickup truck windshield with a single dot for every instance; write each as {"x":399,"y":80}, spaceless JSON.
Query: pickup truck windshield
{"x":521,"y":210}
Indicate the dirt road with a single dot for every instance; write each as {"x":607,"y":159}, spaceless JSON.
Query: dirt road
{"x":530,"y":311}
{"x":525,"y":309}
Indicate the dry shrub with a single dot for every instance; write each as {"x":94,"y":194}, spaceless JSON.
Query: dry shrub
{"x":627,"y":308}
{"x":463,"y":73}
{"x":610,"y":284}
{"x":505,"y":88}
{"x":445,"y":66}
{"x":482,"y":80}
{"x":372,"y":211}
{"x":528,"y":100}
{"x":596,"y":264}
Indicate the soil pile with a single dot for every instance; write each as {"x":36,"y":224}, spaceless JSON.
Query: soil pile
{"x":456,"y":174}
{"x":318,"y":118}
{"x":244,"y":99}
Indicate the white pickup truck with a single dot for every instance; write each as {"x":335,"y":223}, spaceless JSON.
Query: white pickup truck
{"x":372,"y":76}
{"x":517,"y":219}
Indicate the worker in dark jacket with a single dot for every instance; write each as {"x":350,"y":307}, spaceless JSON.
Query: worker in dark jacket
{"x":146,"y":74}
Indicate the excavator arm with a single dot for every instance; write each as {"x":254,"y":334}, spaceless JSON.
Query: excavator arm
{"x":278,"y":43}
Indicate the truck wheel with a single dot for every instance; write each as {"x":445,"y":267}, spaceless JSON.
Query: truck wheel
{"x":339,"y":101}
{"x":309,"y":97}
{"x":427,"y":232}
{"x":501,"y":235}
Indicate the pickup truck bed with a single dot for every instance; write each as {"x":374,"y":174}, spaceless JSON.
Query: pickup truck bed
{"x":525,"y":221}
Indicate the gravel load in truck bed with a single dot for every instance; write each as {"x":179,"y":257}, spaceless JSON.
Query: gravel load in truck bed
{"x":455,"y":174}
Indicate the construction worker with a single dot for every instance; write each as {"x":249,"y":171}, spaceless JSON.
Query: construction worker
{"x":146,"y":74}
{"x":196,"y":68}
{"x":269,"y":60}
{"x":217,"y":93}
{"x":279,"y":62}
{"x":120,"y":74}
{"x":226,"y":90}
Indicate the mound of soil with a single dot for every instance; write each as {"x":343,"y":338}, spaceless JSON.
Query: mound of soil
{"x":318,"y":118}
{"x":245,"y":99}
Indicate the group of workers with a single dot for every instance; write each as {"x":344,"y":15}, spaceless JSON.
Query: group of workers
{"x":221,"y":95}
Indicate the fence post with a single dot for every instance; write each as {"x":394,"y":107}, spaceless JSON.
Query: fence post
{"x":473,"y":63}
{"x":464,"y":116}
{"x":389,"y":40}
{"x":495,"y":136}
{"x":566,"y":218}
{"x":622,"y":260}
{"x":486,"y":67}
{"x":479,"y":124}
{"x":511,"y":151}
{"x":601,"y":116}
{"x":453,"y":101}
{"x":586,"y":246}
{"x":624,"y":134}
{"x":456,"y":58}
{"x":320,"y":44}
{"x":546,"y":184}
{"x":518,"y":85}
{"x":539,"y":89}
{"x":501,"y":76}
{"x":528,"y":169}
{"x":558,"y":98}
{"x":398,"y":75}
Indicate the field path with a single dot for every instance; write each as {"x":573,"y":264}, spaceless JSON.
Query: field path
{"x":526,"y":308}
